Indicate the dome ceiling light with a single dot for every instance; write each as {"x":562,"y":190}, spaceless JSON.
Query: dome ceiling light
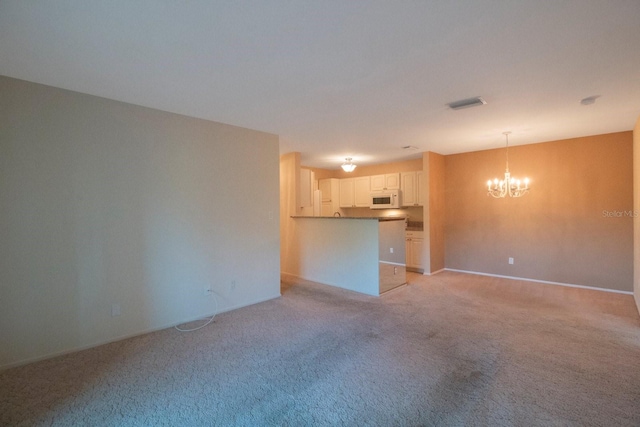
{"x":348,"y":166}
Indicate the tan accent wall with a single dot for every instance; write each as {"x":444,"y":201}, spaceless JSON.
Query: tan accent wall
{"x":426,"y":248}
{"x":323,"y":173}
{"x":575,"y":226}
{"x":289,"y":190}
{"x":436,"y":179}
{"x":636,"y":219}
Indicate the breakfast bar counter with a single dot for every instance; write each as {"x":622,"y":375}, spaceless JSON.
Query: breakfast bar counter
{"x":362,"y":254}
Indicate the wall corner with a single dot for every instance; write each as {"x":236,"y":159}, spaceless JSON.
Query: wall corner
{"x":433,"y":211}
{"x":636,"y":208}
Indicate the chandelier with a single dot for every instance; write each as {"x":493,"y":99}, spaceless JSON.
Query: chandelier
{"x":348,"y":166}
{"x":509,"y":185}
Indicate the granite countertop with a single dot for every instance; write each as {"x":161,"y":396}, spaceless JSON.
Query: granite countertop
{"x":411,"y":225}
{"x":390,"y":218}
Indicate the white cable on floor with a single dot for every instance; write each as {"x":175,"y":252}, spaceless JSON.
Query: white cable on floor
{"x":208,"y":321}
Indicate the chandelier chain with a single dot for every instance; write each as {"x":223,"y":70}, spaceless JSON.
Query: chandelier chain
{"x":509,"y":186}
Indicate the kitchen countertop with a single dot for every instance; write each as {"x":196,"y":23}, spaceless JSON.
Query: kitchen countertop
{"x":352,"y":217}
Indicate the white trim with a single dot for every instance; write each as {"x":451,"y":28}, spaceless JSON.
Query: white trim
{"x":593,"y":288}
{"x":404,"y":285}
{"x":435,"y":272}
{"x":393,"y":263}
{"x":293,"y":279}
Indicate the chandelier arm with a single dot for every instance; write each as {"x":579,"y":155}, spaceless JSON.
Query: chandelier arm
{"x":509,"y":186}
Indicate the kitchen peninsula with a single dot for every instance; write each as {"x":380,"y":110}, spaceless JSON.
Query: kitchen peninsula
{"x":362,"y":254}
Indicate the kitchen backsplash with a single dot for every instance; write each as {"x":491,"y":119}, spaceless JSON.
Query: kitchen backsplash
{"x":415,"y":225}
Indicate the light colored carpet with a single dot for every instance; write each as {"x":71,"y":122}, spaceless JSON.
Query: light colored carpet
{"x":452,"y":349}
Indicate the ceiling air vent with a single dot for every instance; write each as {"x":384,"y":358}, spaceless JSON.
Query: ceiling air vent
{"x":466,"y":103}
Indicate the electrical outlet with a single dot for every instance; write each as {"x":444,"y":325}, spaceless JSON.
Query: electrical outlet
{"x":115,"y":310}
{"x":510,"y":260}
{"x":390,"y":250}
{"x":232,"y":286}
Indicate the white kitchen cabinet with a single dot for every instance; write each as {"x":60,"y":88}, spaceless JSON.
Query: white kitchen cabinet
{"x":414,"y":248}
{"x":362,"y":195}
{"x":324,"y":185}
{"x":347,"y":193}
{"x":330,"y":190}
{"x":355,"y":192}
{"x":412,"y":184}
{"x":305,"y":197}
{"x":389,"y":181}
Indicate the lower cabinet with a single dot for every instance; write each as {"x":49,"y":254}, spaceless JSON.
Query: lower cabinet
{"x":414,"y":248}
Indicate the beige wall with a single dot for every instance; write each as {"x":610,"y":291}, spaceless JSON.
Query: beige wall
{"x":636,"y":207}
{"x":575,"y":226}
{"x":105,"y":203}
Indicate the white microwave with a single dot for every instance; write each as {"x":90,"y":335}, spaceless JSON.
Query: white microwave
{"x":387,"y":199}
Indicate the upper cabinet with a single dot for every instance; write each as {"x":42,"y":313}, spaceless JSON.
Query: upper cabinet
{"x":326,"y":188}
{"x":362,"y":191}
{"x":355,"y":192}
{"x":347,"y":193}
{"x":390,"y":181}
{"x":305,"y":197}
{"x":330,"y":192}
{"x":412,"y":184}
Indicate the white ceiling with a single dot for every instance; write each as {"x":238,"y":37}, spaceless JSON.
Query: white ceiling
{"x":346,"y":78}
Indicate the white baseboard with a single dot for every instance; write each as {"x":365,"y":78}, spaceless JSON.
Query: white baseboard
{"x":124,"y":337}
{"x":541,"y":281}
{"x":426,"y":273}
{"x":393,"y":263}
